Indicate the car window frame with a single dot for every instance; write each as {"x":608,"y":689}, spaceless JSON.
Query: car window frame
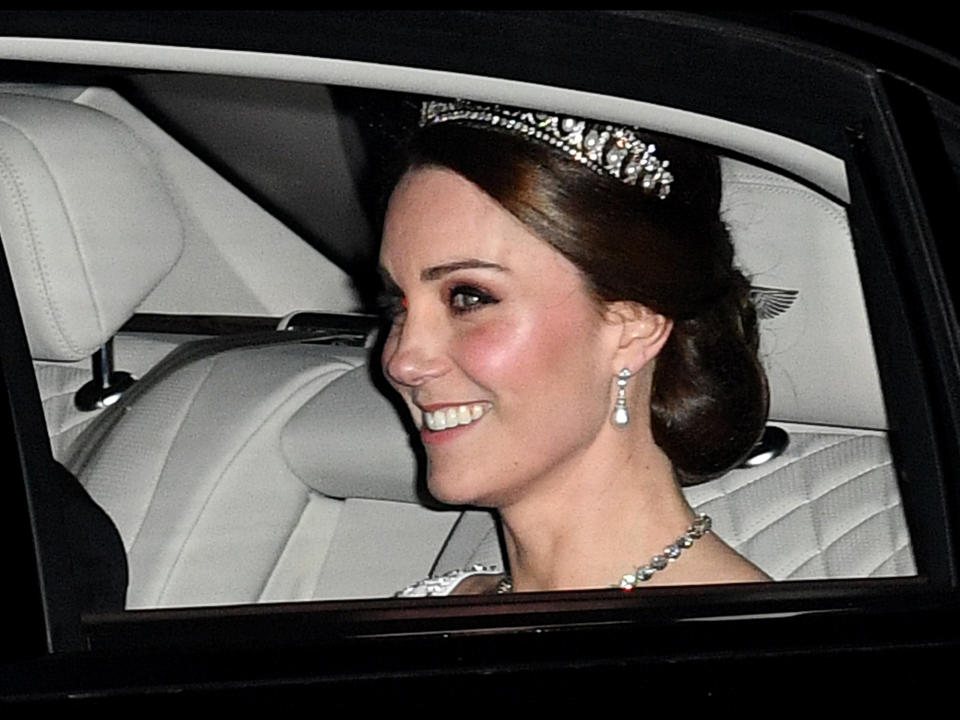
{"x":898,"y":248}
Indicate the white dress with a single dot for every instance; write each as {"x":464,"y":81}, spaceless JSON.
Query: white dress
{"x":445,"y":584}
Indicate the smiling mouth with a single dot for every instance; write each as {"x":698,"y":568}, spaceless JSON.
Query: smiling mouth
{"x":453,"y":416}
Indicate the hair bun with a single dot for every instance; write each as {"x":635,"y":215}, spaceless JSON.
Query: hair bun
{"x":710,"y":398}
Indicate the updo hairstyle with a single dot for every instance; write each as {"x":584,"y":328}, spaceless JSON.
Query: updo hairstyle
{"x":709,"y":400}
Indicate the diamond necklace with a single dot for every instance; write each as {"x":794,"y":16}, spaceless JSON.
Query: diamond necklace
{"x":700,"y":527}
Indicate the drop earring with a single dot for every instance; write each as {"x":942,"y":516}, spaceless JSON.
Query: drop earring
{"x":621,"y":416}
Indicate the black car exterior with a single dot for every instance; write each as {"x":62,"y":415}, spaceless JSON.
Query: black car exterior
{"x":888,"y":105}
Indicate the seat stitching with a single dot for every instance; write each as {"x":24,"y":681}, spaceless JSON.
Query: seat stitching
{"x":173,"y":439}
{"x":283,"y":549}
{"x":891,"y":530}
{"x":49,"y":307}
{"x":858,"y":524}
{"x":70,"y":427}
{"x":345,"y":367}
{"x":812,"y":499}
{"x":341,"y":514}
{"x":817,"y":526}
{"x":817,"y":552}
{"x":802,"y":562}
{"x":137,"y":145}
{"x":83,"y":261}
{"x":724,"y":492}
{"x":46,"y":398}
{"x":903,"y":546}
{"x":814,"y":200}
{"x":803,"y":503}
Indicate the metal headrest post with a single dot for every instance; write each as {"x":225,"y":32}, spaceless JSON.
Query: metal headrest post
{"x":107,"y":385}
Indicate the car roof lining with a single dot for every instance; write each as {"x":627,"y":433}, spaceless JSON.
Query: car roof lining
{"x":817,"y":167}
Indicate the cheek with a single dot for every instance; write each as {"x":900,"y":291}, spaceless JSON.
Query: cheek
{"x":489,"y":351}
{"x":527,"y":353}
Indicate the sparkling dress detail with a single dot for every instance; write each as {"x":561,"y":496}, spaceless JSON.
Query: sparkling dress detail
{"x":445,"y":584}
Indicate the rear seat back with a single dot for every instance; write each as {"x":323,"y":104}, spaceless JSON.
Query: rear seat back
{"x":90,"y":228}
{"x":76,"y":260}
{"x":221,"y":498}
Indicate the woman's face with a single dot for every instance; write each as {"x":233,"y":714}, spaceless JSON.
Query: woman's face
{"x":499,"y":352}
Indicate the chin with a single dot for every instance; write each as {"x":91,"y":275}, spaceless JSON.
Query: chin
{"x":453,"y":488}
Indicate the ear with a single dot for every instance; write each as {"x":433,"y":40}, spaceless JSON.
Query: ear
{"x":641,"y":333}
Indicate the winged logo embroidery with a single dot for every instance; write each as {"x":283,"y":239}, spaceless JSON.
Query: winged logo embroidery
{"x":771,"y":302}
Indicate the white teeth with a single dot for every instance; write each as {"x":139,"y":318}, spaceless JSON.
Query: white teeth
{"x":453,"y":416}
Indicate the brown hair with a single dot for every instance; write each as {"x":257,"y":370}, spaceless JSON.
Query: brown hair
{"x":709,"y":399}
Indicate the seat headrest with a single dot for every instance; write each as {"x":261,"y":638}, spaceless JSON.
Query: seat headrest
{"x":88,"y":223}
{"x":795,"y":246}
{"x":349,"y":442}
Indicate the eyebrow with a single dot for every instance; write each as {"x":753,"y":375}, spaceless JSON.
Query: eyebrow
{"x":438,"y":271}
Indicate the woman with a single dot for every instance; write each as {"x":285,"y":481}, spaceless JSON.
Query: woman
{"x":573,"y":340}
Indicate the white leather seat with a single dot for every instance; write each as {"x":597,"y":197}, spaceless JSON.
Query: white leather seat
{"x":220,"y":498}
{"x":75,"y":253}
{"x":89,"y":228}
{"x":189,"y":463}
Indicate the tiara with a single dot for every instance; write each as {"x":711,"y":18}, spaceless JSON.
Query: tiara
{"x":614,"y":150}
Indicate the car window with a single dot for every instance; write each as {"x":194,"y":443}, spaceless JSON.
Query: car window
{"x":238,"y":468}
{"x":260,"y":459}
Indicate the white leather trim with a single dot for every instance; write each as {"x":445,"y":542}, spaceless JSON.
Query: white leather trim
{"x":815,"y":166}
{"x":81,"y":260}
{"x":59,"y":381}
{"x":58,"y":384}
{"x":296,"y":573}
{"x":349,"y":442}
{"x":818,"y":354}
{"x":223,"y":268}
{"x":828,"y":508}
{"x":381,"y":546}
{"x":238,"y":258}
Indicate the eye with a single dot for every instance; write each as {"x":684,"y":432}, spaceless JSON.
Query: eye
{"x":466,"y":298}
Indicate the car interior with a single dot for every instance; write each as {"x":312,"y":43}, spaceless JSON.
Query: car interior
{"x":210,"y":377}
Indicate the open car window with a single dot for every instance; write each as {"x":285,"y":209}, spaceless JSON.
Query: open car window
{"x":240,"y":467}
{"x":255,"y":458}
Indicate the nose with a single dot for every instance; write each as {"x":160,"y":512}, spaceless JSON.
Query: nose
{"x":413,"y":353}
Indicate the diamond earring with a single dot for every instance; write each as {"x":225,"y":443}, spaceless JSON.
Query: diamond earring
{"x":621,"y":417}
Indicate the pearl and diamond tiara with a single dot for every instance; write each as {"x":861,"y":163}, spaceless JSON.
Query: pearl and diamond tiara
{"x":613,"y":150}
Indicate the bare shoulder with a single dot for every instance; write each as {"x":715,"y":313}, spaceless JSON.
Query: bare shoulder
{"x":731,"y":566}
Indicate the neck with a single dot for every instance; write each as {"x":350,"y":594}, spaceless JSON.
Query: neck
{"x":592,"y":522}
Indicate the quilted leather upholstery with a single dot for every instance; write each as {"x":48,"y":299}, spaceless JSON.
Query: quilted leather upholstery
{"x":827,"y":508}
{"x":248,"y":475}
